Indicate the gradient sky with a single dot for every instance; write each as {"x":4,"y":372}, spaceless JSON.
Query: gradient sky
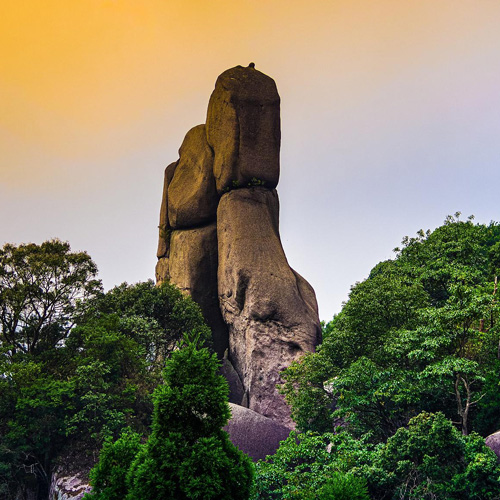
{"x":390,"y":121}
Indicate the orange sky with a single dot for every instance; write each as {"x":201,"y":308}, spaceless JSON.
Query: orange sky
{"x":92,"y":90}
{"x":74,"y":73}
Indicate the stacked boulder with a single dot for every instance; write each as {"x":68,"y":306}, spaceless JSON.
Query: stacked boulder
{"x":219,"y":241}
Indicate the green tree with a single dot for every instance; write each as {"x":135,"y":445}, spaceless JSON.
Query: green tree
{"x":109,"y":476}
{"x":156,"y":317}
{"x":187,"y":455}
{"x":343,"y":487}
{"x":421,"y":333}
{"x":432,"y":460}
{"x":76,"y":365}
{"x":314,"y":466}
{"x":43,"y":290}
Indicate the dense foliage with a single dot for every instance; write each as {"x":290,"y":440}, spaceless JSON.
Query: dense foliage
{"x":420,"y":334}
{"x":187,"y":455}
{"x":428,"y":460}
{"x":395,"y":404}
{"x":307,"y":462}
{"x":76,"y":365}
{"x":43,"y":290}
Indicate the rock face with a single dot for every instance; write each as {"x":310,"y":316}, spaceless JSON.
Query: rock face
{"x":192,"y":266}
{"x":220,"y":242}
{"x":164,"y":226}
{"x":254,"y":434}
{"x":192,"y":197}
{"x":493,"y":442}
{"x":270,"y":324}
{"x":243,"y":128}
{"x":64,"y":487}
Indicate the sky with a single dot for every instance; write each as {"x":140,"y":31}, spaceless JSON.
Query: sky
{"x":390,"y":116}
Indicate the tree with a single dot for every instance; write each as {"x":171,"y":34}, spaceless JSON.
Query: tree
{"x":309,"y":464}
{"x":109,"y":476}
{"x":420,"y":333}
{"x":43,"y":290}
{"x":156,"y":317}
{"x":76,"y":365}
{"x":431,"y":460}
{"x":187,"y":455}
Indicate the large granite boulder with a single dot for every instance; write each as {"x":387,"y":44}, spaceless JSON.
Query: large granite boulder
{"x":254,"y":434}
{"x":192,"y":266}
{"x":493,"y":442}
{"x":243,"y":128}
{"x":192,"y":197}
{"x":271,"y":311}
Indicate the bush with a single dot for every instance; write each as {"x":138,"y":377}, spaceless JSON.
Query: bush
{"x":108,"y":477}
{"x":432,"y":460}
{"x":306,"y":463}
{"x":344,"y":487}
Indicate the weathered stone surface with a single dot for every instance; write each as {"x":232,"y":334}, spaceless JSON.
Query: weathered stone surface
{"x":63,"y":487}
{"x":493,"y":442}
{"x":192,"y":266}
{"x":243,"y":128}
{"x":164,"y":227}
{"x":161,"y":271}
{"x":271,"y":311}
{"x":254,"y":434}
{"x":230,"y":260}
{"x":192,"y":197}
{"x":307,"y":293}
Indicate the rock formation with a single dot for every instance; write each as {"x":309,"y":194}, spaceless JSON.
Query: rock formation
{"x":220,"y":243}
{"x":64,"y":487}
{"x":493,"y":442}
{"x":253,"y":434}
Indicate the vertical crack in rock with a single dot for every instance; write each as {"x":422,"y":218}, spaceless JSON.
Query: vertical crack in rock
{"x":221,"y":214}
{"x":241,"y":291}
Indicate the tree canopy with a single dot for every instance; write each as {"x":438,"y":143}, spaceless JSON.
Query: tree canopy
{"x":420,"y":333}
{"x":44,"y":289}
{"x":187,"y":455}
{"x":77,"y":365}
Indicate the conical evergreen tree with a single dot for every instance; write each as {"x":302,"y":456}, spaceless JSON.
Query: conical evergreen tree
{"x":188,"y":455}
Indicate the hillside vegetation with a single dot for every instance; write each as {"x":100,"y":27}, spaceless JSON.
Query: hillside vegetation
{"x":411,"y":368}
{"x":395,"y":404}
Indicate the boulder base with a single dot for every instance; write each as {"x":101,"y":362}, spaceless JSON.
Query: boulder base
{"x":493,"y":442}
{"x":254,"y":434}
{"x":64,"y":487}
